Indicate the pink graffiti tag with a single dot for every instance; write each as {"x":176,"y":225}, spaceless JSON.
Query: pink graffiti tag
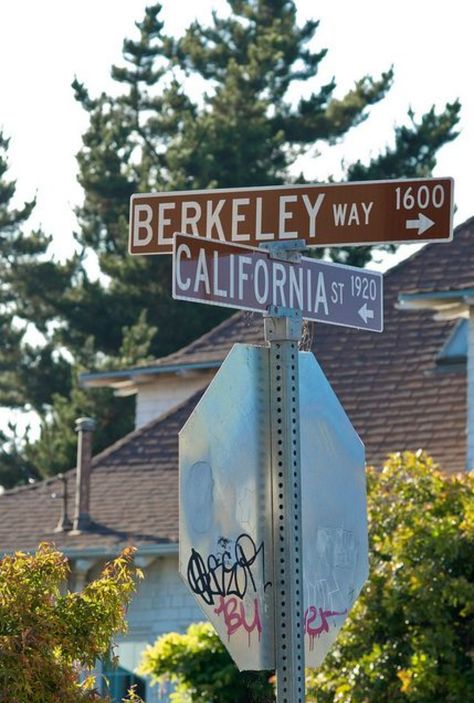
{"x":311,"y":615}
{"x":235,"y":617}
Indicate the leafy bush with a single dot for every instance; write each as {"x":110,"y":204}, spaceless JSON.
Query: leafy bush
{"x":410,"y":636}
{"x":48,"y":636}
{"x":202,"y":669}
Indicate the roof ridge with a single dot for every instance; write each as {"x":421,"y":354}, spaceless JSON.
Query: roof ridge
{"x":31,"y":486}
{"x":428,"y":245}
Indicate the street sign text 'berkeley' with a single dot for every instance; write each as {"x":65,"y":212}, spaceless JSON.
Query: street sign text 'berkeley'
{"x":212,"y":272}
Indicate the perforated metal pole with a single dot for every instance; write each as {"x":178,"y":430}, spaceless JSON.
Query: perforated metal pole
{"x":283,"y":329}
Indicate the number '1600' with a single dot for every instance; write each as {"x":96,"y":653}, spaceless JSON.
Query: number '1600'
{"x":421,"y":197}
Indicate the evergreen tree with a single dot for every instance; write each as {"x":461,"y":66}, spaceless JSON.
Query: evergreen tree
{"x":156,"y":134}
{"x":18,"y":263}
{"x":243,"y":131}
{"x":13,"y":249}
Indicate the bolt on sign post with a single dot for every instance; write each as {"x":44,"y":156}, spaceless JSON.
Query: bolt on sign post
{"x":370,"y":212}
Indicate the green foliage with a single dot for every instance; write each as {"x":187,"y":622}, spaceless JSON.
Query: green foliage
{"x":15,"y":251}
{"x":15,"y":466}
{"x":21,"y":265}
{"x":10,"y":218}
{"x":49,"y":635}
{"x":198,"y":663}
{"x":29,"y":283}
{"x":410,"y":636}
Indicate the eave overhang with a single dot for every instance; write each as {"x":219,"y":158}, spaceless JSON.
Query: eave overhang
{"x":159,"y":549}
{"x":125,"y":382}
{"x":447,"y":305}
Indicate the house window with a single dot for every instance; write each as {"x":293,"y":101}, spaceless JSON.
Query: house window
{"x":120,"y":681}
{"x":454,"y":350}
{"x":117,"y":680}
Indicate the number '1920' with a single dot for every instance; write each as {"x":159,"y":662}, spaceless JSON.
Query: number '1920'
{"x":363,"y":287}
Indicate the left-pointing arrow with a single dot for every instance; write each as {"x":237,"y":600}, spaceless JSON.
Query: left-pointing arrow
{"x":366,"y":313}
{"x":422,"y":224}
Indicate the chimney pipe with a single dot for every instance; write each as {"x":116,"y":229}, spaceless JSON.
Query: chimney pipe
{"x":64,"y":524}
{"x":84,"y":428}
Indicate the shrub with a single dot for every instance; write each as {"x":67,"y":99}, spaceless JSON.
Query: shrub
{"x":198,"y":663}
{"x":48,"y":636}
{"x":410,"y":635}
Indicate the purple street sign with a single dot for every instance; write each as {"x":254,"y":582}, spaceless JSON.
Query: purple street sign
{"x":229,"y":275}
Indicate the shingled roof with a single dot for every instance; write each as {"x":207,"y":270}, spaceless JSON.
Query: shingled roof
{"x":392,"y":386}
{"x":134,"y":495}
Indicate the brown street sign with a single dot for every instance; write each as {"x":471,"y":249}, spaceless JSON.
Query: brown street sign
{"x":369,"y":212}
{"x":206,"y":271}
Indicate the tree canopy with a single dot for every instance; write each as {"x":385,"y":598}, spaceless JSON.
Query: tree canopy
{"x":213,"y":107}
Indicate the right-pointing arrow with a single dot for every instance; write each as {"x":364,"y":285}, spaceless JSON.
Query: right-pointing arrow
{"x":366,"y":313}
{"x":421,"y":224}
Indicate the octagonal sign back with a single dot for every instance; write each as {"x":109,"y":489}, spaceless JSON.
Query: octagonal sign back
{"x":225,"y":508}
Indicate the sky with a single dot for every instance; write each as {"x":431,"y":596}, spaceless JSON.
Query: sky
{"x":44,"y":45}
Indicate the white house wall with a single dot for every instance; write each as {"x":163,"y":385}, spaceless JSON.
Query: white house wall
{"x":162,"y":394}
{"x":162,"y":604}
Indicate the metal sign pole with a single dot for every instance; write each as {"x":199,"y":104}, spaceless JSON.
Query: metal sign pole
{"x":282,"y":332}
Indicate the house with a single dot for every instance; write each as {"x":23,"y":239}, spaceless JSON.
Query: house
{"x":409,"y":387}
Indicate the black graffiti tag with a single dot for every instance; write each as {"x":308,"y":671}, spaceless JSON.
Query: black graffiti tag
{"x":230,"y":573}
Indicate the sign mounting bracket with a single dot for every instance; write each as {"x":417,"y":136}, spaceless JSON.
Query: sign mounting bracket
{"x":289,"y":250}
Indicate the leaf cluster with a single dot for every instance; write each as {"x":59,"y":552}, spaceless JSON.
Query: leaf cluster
{"x":49,"y":635}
